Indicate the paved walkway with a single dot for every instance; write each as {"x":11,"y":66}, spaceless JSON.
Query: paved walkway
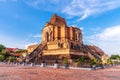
{"x":8,"y":72}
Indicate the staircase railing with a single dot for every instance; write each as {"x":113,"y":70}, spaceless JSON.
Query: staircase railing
{"x":37,"y":51}
{"x":93,"y":53}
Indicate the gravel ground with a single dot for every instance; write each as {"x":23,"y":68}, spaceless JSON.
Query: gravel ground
{"x":8,"y":72}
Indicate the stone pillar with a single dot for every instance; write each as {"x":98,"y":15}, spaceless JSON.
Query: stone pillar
{"x":71,"y":33}
{"x":81,"y":37}
{"x":67,"y":33}
{"x":56,"y":32}
{"x":63,"y":32}
{"x":59,"y":33}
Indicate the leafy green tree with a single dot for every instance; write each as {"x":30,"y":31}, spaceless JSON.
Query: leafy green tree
{"x":115,"y":57}
{"x":3,"y":51}
{"x":6,"y":55}
{"x":1,"y":57}
{"x":92,"y":61}
{"x":65,"y":61}
{"x":21,"y":51}
{"x":13,"y":58}
{"x":1,"y":47}
{"x":109,"y":61}
{"x":81,"y":60}
{"x":7,"y":59}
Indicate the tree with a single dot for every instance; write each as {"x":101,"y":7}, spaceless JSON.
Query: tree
{"x":6,"y":55}
{"x":65,"y":61}
{"x":21,"y":51}
{"x":92,"y":61}
{"x":81,"y":60}
{"x":1,"y":47}
{"x":109,"y":61}
{"x":13,"y":58}
{"x":115,"y":57}
{"x":1,"y":57}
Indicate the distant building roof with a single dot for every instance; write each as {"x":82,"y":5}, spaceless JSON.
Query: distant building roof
{"x":11,"y":49}
{"x":17,"y":54}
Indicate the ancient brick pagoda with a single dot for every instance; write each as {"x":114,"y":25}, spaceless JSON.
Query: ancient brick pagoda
{"x":60,"y":41}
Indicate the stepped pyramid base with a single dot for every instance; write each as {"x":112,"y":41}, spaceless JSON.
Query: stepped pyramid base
{"x":50,"y":56}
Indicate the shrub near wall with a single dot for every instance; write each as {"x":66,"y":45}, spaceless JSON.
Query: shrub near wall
{"x":1,"y":58}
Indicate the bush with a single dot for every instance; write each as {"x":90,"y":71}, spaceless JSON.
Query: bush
{"x":109,"y":61}
{"x":115,"y":57}
{"x":2,"y":47}
{"x":65,"y":61}
{"x":7,"y":59}
{"x":13,"y":58}
{"x":81,"y":60}
{"x":1,"y":57}
{"x":93,"y":62}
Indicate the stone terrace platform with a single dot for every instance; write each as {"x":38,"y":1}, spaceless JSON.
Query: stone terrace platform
{"x":8,"y":72}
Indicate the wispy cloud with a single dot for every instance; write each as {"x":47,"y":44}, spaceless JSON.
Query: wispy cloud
{"x":15,"y":42}
{"x":85,"y":8}
{"x":48,"y":5}
{"x":26,"y":46}
{"x":80,"y":8}
{"x":38,"y":36}
{"x":12,"y":41}
{"x":108,"y":39}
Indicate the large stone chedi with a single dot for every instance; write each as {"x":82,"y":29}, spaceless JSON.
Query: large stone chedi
{"x":60,"y":41}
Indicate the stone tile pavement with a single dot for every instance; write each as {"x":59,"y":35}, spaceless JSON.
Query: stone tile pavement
{"x":13,"y":72}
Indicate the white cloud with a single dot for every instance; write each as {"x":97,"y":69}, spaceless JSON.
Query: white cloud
{"x":11,"y":41}
{"x":81,"y":28}
{"x":30,"y":44}
{"x":48,"y":5}
{"x":38,"y":36}
{"x":108,"y":40}
{"x":15,"y":42}
{"x":112,"y":33}
{"x":80,"y":8}
{"x":85,"y":8}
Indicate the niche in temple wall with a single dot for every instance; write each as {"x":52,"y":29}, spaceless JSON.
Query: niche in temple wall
{"x":78,"y":35}
{"x":46,"y":34}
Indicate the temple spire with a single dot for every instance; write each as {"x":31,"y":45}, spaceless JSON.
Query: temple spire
{"x":57,"y":20}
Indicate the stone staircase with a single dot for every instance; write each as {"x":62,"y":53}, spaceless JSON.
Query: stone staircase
{"x":37,"y":52}
{"x":91,"y":52}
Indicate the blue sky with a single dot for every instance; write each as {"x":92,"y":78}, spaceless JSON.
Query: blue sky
{"x":21,"y":21}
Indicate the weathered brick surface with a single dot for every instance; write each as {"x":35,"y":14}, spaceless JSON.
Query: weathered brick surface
{"x":37,"y":73}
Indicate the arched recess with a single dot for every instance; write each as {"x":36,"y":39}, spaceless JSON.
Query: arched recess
{"x":77,"y":35}
{"x":47,"y":34}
